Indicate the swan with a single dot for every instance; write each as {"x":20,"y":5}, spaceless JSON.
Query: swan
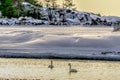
{"x":51,"y":65}
{"x":71,"y":70}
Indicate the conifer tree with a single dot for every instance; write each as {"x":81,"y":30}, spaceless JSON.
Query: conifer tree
{"x":7,"y":9}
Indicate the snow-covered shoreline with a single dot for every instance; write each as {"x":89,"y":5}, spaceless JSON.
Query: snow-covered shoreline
{"x":16,"y":53}
{"x":98,"y":43}
{"x":29,"y":21}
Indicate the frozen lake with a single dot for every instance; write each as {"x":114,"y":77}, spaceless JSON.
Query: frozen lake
{"x":59,"y":41}
{"x":38,"y":69}
{"x":58,"y":37}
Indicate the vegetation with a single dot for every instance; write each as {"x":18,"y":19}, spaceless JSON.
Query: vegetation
{"x":68,"y":4}
{"x":34,"y":2}
{"x":14,"y":8}
{"x":51,"y":3}
{"x":7,"y":9}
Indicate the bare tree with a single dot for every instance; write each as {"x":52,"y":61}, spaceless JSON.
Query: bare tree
{"x":47,"y":3}
{"x":51,"y":3}
{"x":68,"y":4}
{"x":54,"y":4}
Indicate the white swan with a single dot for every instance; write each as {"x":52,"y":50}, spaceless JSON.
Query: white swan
{"x":51,"y":65}
{"x":71,"y":70}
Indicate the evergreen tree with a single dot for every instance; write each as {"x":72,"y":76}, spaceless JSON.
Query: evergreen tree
{"x":0,"y":4}
{"x":19,"y":7}
{"x":7,"y":9}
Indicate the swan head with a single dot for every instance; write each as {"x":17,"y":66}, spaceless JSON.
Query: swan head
{"x":69,"y":64}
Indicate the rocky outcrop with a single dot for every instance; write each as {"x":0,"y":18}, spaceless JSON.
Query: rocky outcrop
{"x":59,"y":16}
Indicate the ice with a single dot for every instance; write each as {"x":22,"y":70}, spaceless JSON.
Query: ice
{"x":59,"y":42}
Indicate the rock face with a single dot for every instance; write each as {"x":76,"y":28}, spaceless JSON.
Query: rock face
{"x":59,"y":16}
{"x":0,"y":14}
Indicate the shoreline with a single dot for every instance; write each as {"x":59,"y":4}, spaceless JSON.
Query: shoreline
{"x":55,"y":26}
{"x":59,"y":58}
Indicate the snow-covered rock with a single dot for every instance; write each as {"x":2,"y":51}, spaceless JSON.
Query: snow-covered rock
{"x":112,"y":18}
{"x":20,"y":21}
{"x":60,"y":16}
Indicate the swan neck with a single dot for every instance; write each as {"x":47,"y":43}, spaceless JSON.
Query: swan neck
{"x":51,"y":62}
{"x":70,"y":67}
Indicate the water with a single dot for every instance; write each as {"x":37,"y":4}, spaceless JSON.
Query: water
{"x":38,"y":69}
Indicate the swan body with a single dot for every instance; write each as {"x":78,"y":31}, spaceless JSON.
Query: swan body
{"x":71,"y":70}
{"x":51,"y":65}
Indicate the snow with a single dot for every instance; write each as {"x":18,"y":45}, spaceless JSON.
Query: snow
{"x":25,"y":3}
{"x":71,"y":18}
{"x":21,"y":21}
{"x":112,"y":18}
{"x":60,"y":42}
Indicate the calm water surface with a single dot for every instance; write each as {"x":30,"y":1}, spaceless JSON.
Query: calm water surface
{"x":38,"y":69}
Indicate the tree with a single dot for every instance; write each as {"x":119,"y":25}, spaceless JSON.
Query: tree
{"x":34,"y":2}
{"x":47,"y":3}
{"x":33,"y":12}
{"x":7,"y":9}
{"x":0,"y":4}
{"x":51,"y":3}
{"x":68,"y":4}
{"x":54,"y":4}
